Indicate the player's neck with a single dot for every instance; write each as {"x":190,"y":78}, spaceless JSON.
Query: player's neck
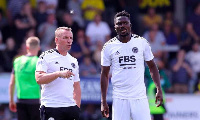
{"x":61,"y":51}
{"x":124,"y":39}
{"x":29,"y":54}
{"x":32,"y":53}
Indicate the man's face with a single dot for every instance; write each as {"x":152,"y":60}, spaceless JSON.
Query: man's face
{"x":65,"y":40}
{"x":122,"y":26}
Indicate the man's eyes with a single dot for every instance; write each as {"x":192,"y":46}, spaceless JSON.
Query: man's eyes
{"x":67,"y":37}
{"x":125,"y":23}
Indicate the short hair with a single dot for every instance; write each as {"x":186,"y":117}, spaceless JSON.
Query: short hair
{"x":58,"y":31}
{"x":122,"y":13}
{"x":32,"y":42}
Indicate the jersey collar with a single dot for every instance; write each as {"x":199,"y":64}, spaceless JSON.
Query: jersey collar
{"x":56,"y":50}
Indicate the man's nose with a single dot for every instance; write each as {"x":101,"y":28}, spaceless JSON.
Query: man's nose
{"x":122,"y":25}
{"x":69,"y":41}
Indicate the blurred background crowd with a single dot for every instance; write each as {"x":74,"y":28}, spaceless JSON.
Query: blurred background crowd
{"x":172,"y":28}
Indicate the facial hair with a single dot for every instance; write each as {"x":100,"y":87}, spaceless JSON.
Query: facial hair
{"x":125,"y":35}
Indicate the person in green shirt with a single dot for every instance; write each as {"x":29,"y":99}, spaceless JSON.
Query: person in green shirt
{"x":23,"y":76}
{"x":157,"y":112}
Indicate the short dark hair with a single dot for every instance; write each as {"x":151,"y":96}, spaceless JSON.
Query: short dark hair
{"x":122,"y":13}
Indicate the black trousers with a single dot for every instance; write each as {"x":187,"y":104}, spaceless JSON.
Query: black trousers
{"x":28,"y":111}
{"x":61,"y":113}
{"x":158,"y":117}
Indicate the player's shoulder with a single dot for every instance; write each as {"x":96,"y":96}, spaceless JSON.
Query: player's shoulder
{"x":139,"y":38}
{"x":110,"y":42}
{"x":47,"y":53}
{"x":18,"y":58}
{"x":72,"y":58}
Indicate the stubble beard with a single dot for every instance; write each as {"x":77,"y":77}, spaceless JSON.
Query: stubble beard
{"x":125,"y":35}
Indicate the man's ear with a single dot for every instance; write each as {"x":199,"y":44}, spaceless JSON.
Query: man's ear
{"x":27,"y":47}
{"x":130,"y":25}
{"x":56,"y":39}
{"x":115,"y":27}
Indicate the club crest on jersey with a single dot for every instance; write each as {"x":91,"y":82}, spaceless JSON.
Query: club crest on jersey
{"x":51,"y":118}
{"x":135,"y":49}
{"x":73,"y":65}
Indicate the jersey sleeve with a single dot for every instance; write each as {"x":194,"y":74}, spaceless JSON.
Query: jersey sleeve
{"x":148,"y":55}
{"x":76,"y":77}
{"x":41,"y":65}
{"x":105,"y":58}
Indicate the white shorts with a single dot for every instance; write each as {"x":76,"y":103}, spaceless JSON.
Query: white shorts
{"x":127,"y":109}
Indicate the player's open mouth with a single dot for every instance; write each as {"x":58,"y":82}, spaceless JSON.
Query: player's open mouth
{"x":123,"y":31}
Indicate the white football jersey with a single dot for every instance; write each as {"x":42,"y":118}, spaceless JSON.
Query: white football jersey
{"x":127,"y":63}
{"x":58,"y":93}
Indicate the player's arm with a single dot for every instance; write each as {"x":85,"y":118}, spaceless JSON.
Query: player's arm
{"x":12,"y":105}
{"x":104,"y":88}
{"x":156,"y":78}
{"x":45,"y":78}
{"x":77,"y":93}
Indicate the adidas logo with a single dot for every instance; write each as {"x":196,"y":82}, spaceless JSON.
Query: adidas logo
{"x":56,"y":63}
{"x":117,"y":53}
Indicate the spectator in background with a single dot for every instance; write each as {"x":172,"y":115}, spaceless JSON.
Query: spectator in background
{"x":81,"y":47}
{"x":91,"y":8}
{"x":169,"y":18}
{"x":41,"y":13}
{"x":181,"y":73}
{"x":87,"y":68}
{"x":170,"y":36}
{"x":30,"y":33}
{"x":45,"y":31}
{"x":151,"y":18}
{"x":97,"y":31}
{"x":2,"y":48}
{"x":193,"y":57}
{"x":69,"y":22}
{"x":181,"y":36}
{"x":23,"y":21}
{"x":171,"y":39}
{"x":4,"y":26}
{"x":193,"y":23}
{"x":51,"y":5}
{"x":97,"y":55}
{"x":23,"y":76}
{"x":3,"y":20}
{"x":75,"y":8}
{"x":8,"y":55}
{"x":14,"y":7}
{"x":2,"y":45}
{"x":157,"y":40}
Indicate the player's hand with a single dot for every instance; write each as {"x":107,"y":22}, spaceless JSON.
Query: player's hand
{"x":12,"y":107}
{"x":104,"y":109}
{"x":65,"y":74}
{"x":159,"y":98}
